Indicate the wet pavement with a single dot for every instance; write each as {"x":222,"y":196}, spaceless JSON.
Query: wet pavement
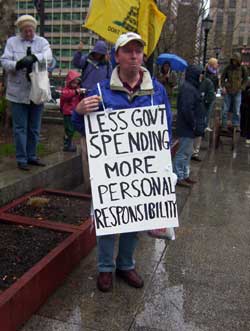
{"x":199,"y":282}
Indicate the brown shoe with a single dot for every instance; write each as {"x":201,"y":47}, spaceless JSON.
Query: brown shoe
{"x":183,"y":183}
{"x":190,"y":181}
{"x":105,"y":281}
{"x":131,"y":277}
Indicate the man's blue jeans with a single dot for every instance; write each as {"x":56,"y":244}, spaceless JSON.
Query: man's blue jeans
{"x":105,"y":252}
{"x":26,"y":127}
{"x":183,"y":157}
{"x":232,"y":104}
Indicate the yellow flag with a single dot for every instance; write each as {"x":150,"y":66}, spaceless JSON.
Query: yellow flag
{"x":150,"y":23}
{"x":111,"y":18}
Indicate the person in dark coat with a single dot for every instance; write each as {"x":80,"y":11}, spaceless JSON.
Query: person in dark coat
{"x":233,"y":82}
{"x":212,"y":74}
{"x":190,"y":123}
{"x":245,"y":113}
{"x":207,"y":98}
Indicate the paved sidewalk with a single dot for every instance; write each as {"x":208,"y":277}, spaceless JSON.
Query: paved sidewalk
{"x":200,"y":282}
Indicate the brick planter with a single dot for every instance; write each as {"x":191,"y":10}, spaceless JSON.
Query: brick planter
{"x":86,"y":229}
{"x":6,"y":210}
{"x":30,"y":291}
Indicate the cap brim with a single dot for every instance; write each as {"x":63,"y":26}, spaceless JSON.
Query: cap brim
{"x":142,"y":42}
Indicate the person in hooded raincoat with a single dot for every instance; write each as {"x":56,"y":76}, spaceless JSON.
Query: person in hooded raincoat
{"x":189,"y":123}
{"x":95,"y":66}
{"x":233,"y":81}
{"x":71,"y":95}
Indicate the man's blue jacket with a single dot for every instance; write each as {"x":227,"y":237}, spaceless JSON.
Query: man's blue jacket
{"x":115,"y":96}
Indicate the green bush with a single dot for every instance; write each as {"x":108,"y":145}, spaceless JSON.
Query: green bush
{"x":8,"y":150}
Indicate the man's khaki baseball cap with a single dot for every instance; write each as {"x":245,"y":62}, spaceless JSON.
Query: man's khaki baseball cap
{"x":125,"y":38}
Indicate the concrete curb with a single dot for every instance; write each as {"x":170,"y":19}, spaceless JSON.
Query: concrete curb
{"x":62,"y":172}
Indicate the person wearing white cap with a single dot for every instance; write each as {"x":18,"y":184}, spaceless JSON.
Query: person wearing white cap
{"x":130,"y":86}
{"x":20,"y":53}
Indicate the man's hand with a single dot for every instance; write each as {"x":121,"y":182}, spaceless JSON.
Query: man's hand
{"x":80,"y":46}
{"x":89,"y":104}
{"x":107,"y":57}
{"x":26,"y":62}
{"x":81,"y":91}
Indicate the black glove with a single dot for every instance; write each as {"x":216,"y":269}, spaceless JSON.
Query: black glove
{"x":26,"y":62}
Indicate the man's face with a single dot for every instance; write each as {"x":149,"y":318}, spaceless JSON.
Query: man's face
{"x":97,"y":56}
{"x":28,"y":32}
{"x":130,"y":56}
{"x":234,"y":62}
{"x":166,"y":67}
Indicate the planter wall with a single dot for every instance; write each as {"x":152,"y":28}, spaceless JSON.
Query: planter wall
{"x":30,"y":291}
{"x":6,"y":210}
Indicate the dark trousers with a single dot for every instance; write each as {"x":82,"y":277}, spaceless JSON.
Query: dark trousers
{"x":68,"y":126}
{"x":245,"y":121}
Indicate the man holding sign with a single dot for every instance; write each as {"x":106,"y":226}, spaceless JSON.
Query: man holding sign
{"x":129,"y":157}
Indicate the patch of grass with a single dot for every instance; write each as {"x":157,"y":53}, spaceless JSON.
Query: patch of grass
{"x":77,"y":135}
{"x":41,"y":150}
{"x":7,"y":150}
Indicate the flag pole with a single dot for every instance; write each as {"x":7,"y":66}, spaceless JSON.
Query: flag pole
{"x":150,"y":60}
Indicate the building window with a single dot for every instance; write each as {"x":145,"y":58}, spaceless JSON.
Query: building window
{"x":232,"y":3}
{"x":242,"y":28}
{"x":56,"y":52}
{"x":56,"y":28}
{"x":57,"y":3}
{"x":230,"y":23}
{"x":244,"y":4}
{"x":221,"y":4}
{"x":241,"y":40}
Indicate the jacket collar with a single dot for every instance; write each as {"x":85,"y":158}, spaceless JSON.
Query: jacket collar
{"x":146,"y":87}
{"x":23,"y":40}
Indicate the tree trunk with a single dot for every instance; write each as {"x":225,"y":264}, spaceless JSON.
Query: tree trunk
{"x":7,"y":19}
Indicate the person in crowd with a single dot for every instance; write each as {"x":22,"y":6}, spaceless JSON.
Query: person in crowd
{"x":245,"y":113}
{"x":130,"y":86}
{"x":189,"y":124}
{"x":71,"y":95}
{"x":20,"y":54}
{"x":233,"y":81}
{"x":212,"y":74}
{"x":207,"y":98}
{"x":95,"y":66}
{"x":168,"y":78}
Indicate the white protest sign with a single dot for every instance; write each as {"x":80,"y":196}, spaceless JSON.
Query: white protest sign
{"x":130,"y":167}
